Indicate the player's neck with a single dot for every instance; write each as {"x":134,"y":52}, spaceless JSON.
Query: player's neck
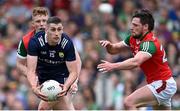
{"x":143,"y":35}
{"x":51,"y":43}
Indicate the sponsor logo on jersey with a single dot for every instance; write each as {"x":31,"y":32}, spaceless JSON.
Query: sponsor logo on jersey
{"x":61,"y":54}
{"x":50,"y":61}
{"x":43,"y":52}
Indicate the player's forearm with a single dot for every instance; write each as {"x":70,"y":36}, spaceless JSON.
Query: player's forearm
{"x":79,"y":64}
{"x":71,"y":79}
{"x":21,"y":66}
{"x":22,"y":69}
{"x":31,"y":76}
{"x":114,"y":48}
{"x":111,"y":49}
{"x":127,"y":64}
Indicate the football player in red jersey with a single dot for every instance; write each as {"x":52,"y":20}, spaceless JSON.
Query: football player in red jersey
{"x":150,"y":56}
{"x":39,"y":19}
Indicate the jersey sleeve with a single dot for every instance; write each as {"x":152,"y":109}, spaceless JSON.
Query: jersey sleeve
{"x":70,"y":52}
{"x":32,"y":48}
{"x":148,"y":47}
{"x":21,"y":51}
{"x":126,"y":40}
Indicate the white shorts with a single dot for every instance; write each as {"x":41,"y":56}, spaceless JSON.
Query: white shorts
{"x":163,"y":90}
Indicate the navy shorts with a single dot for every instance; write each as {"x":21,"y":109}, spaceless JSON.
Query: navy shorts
{"x":60,"y":80}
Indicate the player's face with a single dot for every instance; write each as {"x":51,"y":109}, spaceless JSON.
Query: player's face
{"x":54,"y":32}
{"x":39,"y":22}
{"x":136,"y":28}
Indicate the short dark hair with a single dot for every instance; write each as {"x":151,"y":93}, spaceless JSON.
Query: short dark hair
{"x":145,"y":18}
{"x":54,"y":20}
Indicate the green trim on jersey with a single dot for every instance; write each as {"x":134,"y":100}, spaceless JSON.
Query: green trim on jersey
{"x":127,"y":39}
{"x":148,"y":46}
{"x":21,"y":51}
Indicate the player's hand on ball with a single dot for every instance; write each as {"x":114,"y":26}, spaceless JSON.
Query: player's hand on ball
{"x":63,"y":92}
{"x":74,"y":88}
{"x":38,"y":93}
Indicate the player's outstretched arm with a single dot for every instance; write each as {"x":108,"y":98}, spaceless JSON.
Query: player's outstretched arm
{"x":131,"y":63}
{"x":112,"y":48}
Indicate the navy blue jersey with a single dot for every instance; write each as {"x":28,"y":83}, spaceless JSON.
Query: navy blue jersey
{"x":51,"y":59}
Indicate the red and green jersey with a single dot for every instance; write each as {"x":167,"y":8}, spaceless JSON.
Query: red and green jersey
{"x":155,"y":68}
{"x":23,"y":45}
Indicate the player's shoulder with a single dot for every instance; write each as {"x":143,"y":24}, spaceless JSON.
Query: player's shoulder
{"x":28,"y":35}
{"x":127,"y":39}
{"x":39,"y":34}
{"x":26,"y":38}
{"x":148,"y":46}
{"x":39,"y":39}
{"x":65,"y":36}
{"x":66,"y":41}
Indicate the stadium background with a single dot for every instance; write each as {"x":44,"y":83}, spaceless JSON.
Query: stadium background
{"x":86,"y":25}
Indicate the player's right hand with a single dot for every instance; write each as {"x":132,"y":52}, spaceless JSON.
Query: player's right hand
{"x":104,"y":43}
{"x":37,"y":92}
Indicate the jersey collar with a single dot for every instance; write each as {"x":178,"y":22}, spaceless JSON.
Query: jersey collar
{"x":60,"y":39}
{"x":47,"y":41}
{"x":45,"y":38}
{"x":144,"y":36}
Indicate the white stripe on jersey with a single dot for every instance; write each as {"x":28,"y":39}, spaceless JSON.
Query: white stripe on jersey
{"x":45,"y":38}
{"x":145,"y":46}
{"x":64,"y":42}
{"x":41,"y":41}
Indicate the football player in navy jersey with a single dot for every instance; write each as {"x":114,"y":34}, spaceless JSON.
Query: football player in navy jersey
{"x":51,"y":55}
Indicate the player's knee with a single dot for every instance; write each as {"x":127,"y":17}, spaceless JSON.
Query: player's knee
{"x":128,"y":103}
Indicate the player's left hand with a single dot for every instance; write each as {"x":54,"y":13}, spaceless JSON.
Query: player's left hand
{"x":105,"y":66}
{"x":63,"y":92}
{"x":74,"y":88}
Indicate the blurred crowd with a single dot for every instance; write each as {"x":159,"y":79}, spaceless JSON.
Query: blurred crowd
{"x":86,"y":24}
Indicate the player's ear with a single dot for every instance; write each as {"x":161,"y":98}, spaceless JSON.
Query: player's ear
{"x":146,"y":27}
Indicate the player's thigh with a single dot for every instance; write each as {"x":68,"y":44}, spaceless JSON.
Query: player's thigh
{"x":43,"y":105}
{"x":64,"y":103}
{"x":141,"y":97}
